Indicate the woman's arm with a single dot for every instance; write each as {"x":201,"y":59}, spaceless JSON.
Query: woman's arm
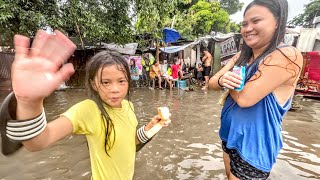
{"x":276,"y":71}
{"x":213,"y":82}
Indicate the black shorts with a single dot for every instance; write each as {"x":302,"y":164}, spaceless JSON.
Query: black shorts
{"x":240,"y":168}
{"x":207,"y":70}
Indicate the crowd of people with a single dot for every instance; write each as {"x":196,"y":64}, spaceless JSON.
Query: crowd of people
{"x":163,"y":73}
{"x":250,"y":129}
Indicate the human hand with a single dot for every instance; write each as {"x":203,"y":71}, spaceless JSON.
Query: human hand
{"x":38,"y":70}
{"x":155,"y":120}
{"x":230,"y":80}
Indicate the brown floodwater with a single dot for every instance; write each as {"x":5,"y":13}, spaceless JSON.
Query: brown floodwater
{"x":189,"y":148}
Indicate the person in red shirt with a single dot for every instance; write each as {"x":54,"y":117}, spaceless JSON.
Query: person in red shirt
{"x":175,"y":69}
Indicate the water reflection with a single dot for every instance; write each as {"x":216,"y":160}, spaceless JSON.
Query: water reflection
{"x":188,"y":149}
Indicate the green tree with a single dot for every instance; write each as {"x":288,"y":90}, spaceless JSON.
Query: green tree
{"x":310,"y":11}
{"x":231,"y":6}
{"x":97,"y":21}
{"x":202,"y":18}
{"x":153,"y":16}
{"x":24,"y":17}
{"x":90,"y":20}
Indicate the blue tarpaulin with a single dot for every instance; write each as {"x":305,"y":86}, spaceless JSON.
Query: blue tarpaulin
{"x":170,"y":35}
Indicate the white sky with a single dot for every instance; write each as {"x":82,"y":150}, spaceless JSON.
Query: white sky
{"x":295,"y":8}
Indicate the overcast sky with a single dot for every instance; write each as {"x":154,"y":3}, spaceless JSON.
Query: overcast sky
{"x":295,"y":8}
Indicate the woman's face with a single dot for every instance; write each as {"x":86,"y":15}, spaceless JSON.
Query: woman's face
{"x":258,"y":27}
{"x":131,"y":62}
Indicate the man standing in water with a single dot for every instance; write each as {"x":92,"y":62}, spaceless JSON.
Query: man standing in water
{"x":206,"y":60}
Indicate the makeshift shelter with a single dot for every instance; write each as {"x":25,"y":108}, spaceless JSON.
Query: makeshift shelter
{"x":129,"y":49}
{"x":213,"y":44}
{"x":308,"y":42}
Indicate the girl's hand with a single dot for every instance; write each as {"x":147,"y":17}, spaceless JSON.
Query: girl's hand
{"x":38,"y":70}
{"x":156,"y":119}
{"x":230,"y":80}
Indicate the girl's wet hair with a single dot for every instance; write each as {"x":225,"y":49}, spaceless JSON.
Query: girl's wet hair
{"x":100,"y":61}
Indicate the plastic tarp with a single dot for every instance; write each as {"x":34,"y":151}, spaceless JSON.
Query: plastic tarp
{"x":129,"y":49}
{"x":202,"y":40}
{"x":173,"y":49}
{"x":307,"y":39}
{"x":170,"y":35}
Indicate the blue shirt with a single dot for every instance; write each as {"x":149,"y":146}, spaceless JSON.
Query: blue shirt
{"x":255,"y":132}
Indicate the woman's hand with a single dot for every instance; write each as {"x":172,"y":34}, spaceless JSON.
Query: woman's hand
{"x":39,"y":70}
{"x":230,"y":80}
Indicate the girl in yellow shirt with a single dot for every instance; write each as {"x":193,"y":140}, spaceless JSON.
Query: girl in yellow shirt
{"x":106,"y":119}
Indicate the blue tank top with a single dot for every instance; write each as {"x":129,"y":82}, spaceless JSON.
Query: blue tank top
{"x":255,"y":132}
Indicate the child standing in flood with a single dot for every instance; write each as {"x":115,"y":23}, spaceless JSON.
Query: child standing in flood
{"x":106,"y":118}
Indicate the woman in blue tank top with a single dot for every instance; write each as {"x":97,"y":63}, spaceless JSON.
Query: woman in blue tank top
{"x":251,"y":117}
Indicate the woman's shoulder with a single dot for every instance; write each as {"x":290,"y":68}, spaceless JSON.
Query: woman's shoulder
{"x":287,"y":52}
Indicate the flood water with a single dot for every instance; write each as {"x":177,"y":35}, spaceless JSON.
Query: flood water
{"x":189,"y":148}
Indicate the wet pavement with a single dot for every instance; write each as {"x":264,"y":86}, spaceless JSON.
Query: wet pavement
{"x":189,"y":148}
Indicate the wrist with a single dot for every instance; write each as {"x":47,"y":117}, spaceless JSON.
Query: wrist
{"x":219,"y":81}
{"x":28,"y":109}
{"x":141,"y":135}
{"x":147,"y":127}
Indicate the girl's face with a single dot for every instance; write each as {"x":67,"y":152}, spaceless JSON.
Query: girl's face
{"x":113,"y":86}
{"x":258,"y":27}
{"x":131,"y":62}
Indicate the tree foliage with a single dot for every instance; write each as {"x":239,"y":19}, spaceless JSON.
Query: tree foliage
{"x":310,"y":11}
{"x":153,"y":15}
{"x":202,"y":18}
{"x":192,"y":18}
{"x":24,"y":17}
{"x":231,"y":6}
{"x":94,"y":21}
{"x":112,"y":20}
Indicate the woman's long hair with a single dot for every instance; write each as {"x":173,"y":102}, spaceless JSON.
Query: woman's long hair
{"x":133,"y":65}
{"x":279,"y":9}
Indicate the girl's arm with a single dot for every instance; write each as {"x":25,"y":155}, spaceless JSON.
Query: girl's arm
{"x":37,"y":71}
{"x":54,"y":131}
{"x":148,"y":126}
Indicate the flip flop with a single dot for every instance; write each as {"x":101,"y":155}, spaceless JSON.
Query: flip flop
{"x":7,"y":112}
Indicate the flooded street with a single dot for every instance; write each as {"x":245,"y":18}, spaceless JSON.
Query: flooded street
{"x":189,"y":148}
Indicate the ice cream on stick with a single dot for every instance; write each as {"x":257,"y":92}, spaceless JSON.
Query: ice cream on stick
{"x":165,"y":115}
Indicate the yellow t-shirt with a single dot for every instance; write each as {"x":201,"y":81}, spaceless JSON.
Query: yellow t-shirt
{"x":86,"y":119}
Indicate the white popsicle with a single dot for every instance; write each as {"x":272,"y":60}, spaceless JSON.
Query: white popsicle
{"x":165,"y":115}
